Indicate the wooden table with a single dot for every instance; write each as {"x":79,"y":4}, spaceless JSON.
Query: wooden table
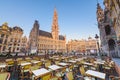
{"x":78,"y":59}
{"x":35,"y":61}
{"x":3,"y":65}
{"x":63,"y":64}
{"x":54,"y":67}
{"x":89,"y":64}
{"x":98,"y":62}
{"x":96,"y":74}
{"x":26,"y":63}
{"x":57,"y":69}
{"x":56,"y":58}
{"x":40,"y":72}
{"x":72,"y":61}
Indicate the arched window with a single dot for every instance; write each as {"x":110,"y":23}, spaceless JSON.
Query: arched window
{"x":1,"y":40}
{"x":107,"y":30}
{"x":111,"y":44}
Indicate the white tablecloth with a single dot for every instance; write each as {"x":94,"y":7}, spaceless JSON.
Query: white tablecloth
{"x":63,"y":64}
{"x":54,"y":67}
{"x":40,"y":72}
{"x":23,"y":64}
{"x":3,"y":65}
{"x":90,"y":64}
{"x":98,"y":62}
{"x":96,"y":74}
{"x":72,"y":61}
{"x":34,"y":61}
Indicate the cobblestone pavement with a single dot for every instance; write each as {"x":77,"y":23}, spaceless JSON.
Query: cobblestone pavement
{"x":117,"y":61}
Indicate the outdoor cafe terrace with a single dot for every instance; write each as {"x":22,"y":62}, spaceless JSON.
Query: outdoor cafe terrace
{"x":58,"y":67}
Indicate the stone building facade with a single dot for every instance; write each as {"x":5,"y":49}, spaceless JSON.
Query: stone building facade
{"x":114,"y":7}
{"x":4,"y":33}
{"x":11,"y":39}
{"x":14,"y":41}
{"x":82,"y":46}
{"x":107,"y":31}
{"x":43,"y":41}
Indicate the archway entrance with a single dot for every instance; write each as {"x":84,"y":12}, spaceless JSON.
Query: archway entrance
{"x":111,"y":44}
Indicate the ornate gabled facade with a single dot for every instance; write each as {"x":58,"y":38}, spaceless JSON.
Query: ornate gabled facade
{"x":107,"y":32}
{"x":114,"y":8}
{"x":76,"y":46}
{"x":33,"y":37}
{"x":14,"y":41}
{"x":84,"y":46}
{"x":91,"y":46}
{"x":4,"y":34}
{"x":24,"y":44}
{"x":43,"y":41}
{"x":11,"y":39}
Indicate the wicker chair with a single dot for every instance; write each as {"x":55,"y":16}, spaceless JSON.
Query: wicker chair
{"x":82,"y":70}
{"x":10,"y":62}
{"x":4,"y":76}
{"x":48,"y":63}
{"x":28,"y":59}
{"x":70,"y":76}
{"x":46,"y":77}
{"x":25,"y":69}
{"x":54,"y":78}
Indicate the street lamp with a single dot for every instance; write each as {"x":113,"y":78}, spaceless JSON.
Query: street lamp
{"x":96,"y":37}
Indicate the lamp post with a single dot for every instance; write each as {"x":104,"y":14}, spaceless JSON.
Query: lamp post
{"x":96,"y":37}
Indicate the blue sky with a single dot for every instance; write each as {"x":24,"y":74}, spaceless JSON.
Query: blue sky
{"x":76,"y":18}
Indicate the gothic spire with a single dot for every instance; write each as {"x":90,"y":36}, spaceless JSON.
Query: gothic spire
{"x":99,"y":12}
{"x":36,"y":24}
{"x":99,"y":7}
{"x":55,"y":28}
{"x":55,"y":18}
{"x":55,"y":21}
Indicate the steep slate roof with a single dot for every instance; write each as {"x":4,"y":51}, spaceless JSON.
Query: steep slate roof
{"x":49,"y":35}
{"x":61,"y":37}
{"x":17,"y":28}
{"x":44,"y":33}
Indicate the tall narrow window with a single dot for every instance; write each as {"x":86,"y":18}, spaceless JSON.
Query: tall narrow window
{"x":107,"y":30}
{"x":2,"y":35}
{"x":1,"y":40}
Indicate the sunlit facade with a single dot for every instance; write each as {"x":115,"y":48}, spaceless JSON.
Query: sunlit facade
{"x":11,"y":39}
{"x":42,"y":41}
{"x":4,"y":33}
{"x":84,"y":46}
{"x":24,"y":44}
{"x":14,"y":41}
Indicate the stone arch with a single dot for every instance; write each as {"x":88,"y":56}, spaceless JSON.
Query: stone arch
{"x":107,"y":30}
{"x":112,"y":45}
